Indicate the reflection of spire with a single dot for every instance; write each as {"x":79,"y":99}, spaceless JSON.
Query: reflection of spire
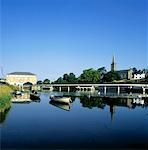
{"x":112,"y":112}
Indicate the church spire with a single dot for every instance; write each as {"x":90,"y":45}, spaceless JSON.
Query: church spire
{"x":113,"y":65}
{"x":113,"y":59}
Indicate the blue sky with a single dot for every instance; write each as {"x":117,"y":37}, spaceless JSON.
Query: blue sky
{"x":53,"y":37}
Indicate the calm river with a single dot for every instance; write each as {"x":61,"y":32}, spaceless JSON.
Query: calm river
{"x":89,"y":122}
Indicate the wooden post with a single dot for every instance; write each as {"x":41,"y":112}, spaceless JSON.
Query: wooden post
{"x":60,"y":89}
{"x":143,"y":90}
{"x":51,"y":88}
{"x":118,"y":90}
{"x":105,"y":90}
{"x":93,"y":88}
{"x":68,"y":88}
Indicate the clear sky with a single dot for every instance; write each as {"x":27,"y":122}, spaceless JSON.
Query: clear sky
{"x":53,"y":37}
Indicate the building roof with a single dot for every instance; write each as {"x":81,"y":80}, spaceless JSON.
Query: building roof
{"x":21,"y":73}
{"x":122,"y":71}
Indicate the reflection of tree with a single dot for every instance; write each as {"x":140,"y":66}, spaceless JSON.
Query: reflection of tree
{"x":118,"y":102}
{"x":3,"y":115}
{"x":92,"y":102}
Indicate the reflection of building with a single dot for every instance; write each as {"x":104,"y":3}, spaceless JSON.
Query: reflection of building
{"x":19,"y":78}
{"x":23,"y":96}
{"x":124,"y":74}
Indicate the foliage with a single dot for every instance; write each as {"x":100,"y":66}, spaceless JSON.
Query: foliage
{"x":111,"y":76}
{"x":5,"y":97}
{"x":90,"y":76}
{"x":67,"y":78}
{"x":102,"y":70}
{"x":46,"y":81}
{"x":92,"y":102}
{"x":72,"y":78}
{"x":136,"y":71}
{"x":39,"y":82}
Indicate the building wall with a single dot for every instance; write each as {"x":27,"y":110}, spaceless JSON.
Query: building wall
{"x":126,"y":74}
{"x":139,"y":76}
{"x":130,"y":74}
{"x":21,"y":79}
{"x":123,"y":75}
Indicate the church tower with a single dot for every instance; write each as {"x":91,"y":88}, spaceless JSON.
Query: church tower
{"x":113,"y":65}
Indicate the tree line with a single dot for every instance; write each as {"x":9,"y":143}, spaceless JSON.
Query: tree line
{"x":91,"y":75}
{"x":88,"y":76}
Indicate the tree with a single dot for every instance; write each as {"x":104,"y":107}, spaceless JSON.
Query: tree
{"x":89,"y":76}
{"x":46,"y":81}
{"x":65,"y":77}
{"x":111,"y":76}
{"x":59,"y":80}
{"x":39,"y":82}
{"x":102,"y":70}
{"x":72,"y":78}
{"x":134,"y":70}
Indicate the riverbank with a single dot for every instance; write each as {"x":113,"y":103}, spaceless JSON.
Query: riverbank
{"x":5,"y":97}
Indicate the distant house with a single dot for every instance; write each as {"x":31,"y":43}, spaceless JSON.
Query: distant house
{"x":124,"y":74}
{"x":139,"y":76}
{"x":20,"y":78}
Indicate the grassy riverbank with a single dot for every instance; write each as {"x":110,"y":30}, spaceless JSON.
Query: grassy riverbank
{"x":5,"y":97}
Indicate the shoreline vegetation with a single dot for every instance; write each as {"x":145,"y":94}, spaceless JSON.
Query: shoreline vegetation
{"x":93,"y":76}
{"x":5,"y":97}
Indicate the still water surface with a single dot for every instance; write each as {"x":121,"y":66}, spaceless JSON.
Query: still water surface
{"x":89,"y":122}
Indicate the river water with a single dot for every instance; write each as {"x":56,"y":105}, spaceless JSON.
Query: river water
{"x":89,"y":122}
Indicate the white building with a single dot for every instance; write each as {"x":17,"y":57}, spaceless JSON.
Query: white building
{"x":19,"y":78}
{"x":139,"y":76}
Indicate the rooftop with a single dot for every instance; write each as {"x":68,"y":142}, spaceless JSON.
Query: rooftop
{"x":123,"y":70}
{"x":21,"y":73}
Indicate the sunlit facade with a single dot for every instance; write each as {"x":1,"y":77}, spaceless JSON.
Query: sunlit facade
{"x":20,"y":78}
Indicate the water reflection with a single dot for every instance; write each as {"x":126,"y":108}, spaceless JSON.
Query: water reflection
{"x":114,"y":103}
{"x":25,"y":98}
{"x":85,"y":124}
{"x":91,"y":102}
{"x":60,"y":105}
{"x":99,"y":102}
{"x":3,"y":115}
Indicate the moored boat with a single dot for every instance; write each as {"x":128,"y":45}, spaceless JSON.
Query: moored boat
{"x":34,"y":96}
{"x":17,"y":93}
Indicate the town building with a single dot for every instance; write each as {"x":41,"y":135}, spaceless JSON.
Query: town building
{"x":20,"y":78}
{"x":139,"y":76}
{"x":124,"y":74}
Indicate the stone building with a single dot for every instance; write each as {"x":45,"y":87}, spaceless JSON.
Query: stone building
{"x":124,"y":74}
{"x":20,"y":78}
